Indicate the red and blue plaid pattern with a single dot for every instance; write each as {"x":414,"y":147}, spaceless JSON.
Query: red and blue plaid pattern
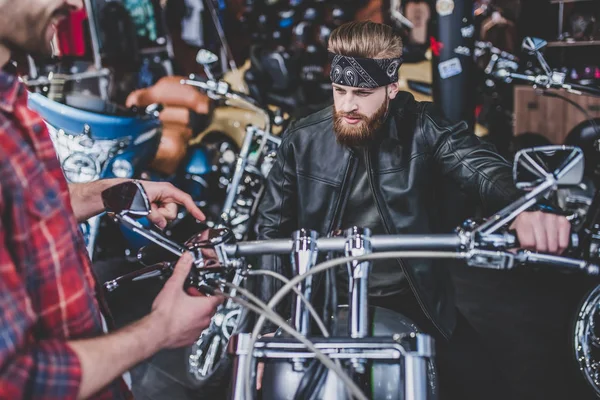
{"x":47,"y":290}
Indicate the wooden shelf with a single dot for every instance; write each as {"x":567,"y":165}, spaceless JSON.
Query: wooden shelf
{"x":567,"y":1}
{"x":574,"y":43}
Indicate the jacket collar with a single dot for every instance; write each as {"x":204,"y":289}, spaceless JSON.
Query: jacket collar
{"x":398,"y":108}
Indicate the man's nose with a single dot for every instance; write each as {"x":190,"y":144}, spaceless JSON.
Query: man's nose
{"x":349,"y":104}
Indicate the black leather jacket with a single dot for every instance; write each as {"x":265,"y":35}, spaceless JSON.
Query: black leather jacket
{"x":418,"y":151}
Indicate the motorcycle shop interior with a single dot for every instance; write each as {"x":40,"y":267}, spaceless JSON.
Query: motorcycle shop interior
{"x":199,"y":93}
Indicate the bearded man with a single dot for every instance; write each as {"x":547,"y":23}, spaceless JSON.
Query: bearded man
{"x":378,"y":159}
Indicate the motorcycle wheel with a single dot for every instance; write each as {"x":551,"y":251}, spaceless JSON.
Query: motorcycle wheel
{"x":585,"y":342}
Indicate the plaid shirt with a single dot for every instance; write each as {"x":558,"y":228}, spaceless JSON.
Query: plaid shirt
{"x":46,"y":283}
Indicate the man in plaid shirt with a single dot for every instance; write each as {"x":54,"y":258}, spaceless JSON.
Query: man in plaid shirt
{"x":52,"y":344}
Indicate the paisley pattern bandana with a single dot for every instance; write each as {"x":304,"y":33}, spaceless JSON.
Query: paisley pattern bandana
{"x":363,"y":72}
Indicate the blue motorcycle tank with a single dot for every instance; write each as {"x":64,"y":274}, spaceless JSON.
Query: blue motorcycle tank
{"x":103,"y":126}
{"x":118,"y":143}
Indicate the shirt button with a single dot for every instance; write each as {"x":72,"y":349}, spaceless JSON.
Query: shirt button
{"x":37,"y":128}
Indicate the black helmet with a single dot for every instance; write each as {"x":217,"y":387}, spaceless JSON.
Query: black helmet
{"x":585,"y":135}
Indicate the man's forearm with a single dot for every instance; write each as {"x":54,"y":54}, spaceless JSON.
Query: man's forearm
{"x":105,"y":358}
{"x":86,"y":198}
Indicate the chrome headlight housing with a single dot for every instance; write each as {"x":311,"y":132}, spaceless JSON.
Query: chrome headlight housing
{"x":83,"y":158}
{"x":122,"y":169}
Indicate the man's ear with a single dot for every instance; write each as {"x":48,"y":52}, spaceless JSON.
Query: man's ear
{"x":393,"y":89}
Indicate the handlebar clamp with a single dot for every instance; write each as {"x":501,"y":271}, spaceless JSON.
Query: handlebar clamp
{"x":499,"y":260}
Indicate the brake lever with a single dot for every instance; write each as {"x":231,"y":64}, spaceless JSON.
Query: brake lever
{"x":159,"y":269}
{"x":523,"y":257}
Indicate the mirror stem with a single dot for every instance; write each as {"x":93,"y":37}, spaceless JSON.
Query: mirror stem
{"x":511,"y":211}
{"x":151,"y":235}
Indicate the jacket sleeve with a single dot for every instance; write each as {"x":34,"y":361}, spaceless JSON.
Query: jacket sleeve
{"x":474,"y":165}
{"x":277,"y":219}
{"x":29,"y":368}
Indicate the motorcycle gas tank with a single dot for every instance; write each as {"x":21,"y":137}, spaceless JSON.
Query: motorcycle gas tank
{"x":101,"y":126}
{"x":280,"y":381}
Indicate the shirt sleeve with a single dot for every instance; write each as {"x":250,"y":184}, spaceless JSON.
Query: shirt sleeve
{"x":474,"y":165}
{"x":29,"y":368}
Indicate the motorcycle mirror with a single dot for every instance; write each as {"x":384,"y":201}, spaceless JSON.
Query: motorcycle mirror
{"x":206,"y":58}
{"x":127,"y":198}
{"x":562,"y":164}
{"x":533,"y":45}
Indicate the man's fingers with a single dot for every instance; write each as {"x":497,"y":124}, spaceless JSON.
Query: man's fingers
{"x":541,"y":239}
{"x":165,"y":193}
{"x":182,"y":269}
{"x":180,"y":197}
{"x":169,"y":211}
{"x":551,"y":226}
{"x":156,"y":217}
{"x":525,"y":234}
{"x":564,"y":234}
{"x":259,"y":375}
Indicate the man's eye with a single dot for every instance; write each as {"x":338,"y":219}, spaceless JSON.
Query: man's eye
{"x":363,"y":94}
{"x":340,"y":91}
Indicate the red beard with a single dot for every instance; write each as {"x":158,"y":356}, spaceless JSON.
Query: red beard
{"x":363,"y":132}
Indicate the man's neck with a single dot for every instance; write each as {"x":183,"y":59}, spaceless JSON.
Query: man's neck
{"x":4,"y":55}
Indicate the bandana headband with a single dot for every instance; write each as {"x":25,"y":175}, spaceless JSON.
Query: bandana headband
{"x":363,"y":72}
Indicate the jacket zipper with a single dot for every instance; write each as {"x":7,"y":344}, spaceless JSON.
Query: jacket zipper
{"x":387,"y":229}
{"x":342,"y":197}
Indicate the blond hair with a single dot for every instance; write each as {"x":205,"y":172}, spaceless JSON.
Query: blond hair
{"x":365,"y":39}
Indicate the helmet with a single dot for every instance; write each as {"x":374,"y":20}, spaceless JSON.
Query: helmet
{"x":585,"y":135}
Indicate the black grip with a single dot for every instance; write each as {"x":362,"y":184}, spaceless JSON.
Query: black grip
{"x":154,"y":254}
{"x":192,"y":281}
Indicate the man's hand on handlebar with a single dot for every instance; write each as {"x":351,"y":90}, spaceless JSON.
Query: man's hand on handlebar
{"x":542,"y":232}
{"x":180,"y":317}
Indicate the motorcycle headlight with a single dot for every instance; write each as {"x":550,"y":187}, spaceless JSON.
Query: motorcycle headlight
{"x":83,"y":158}
{"x":122,"y":169}
{"x":80,"y":168}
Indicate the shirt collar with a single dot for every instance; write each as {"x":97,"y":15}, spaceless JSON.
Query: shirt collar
{"x":12,"y":91}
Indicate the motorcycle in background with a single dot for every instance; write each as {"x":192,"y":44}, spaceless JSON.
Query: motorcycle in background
{"x":581,"y":204}
{"x":114,"y":143}
{"x":245,"y":183}
{"x":585,"y":334}
{"x":575,"y":200}
{"x":244,"y":186}
{"x":97,"y":139}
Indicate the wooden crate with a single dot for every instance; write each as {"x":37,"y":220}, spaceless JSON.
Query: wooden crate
{"x":549,"y":116}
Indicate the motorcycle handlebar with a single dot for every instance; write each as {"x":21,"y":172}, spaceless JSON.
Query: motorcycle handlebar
{"x":379,"y":243}
{"x":219,"y":87}
{"x":544,"y":80}
{"x":494,"y":50}
{"x":483,"y":251}
{"x":223,"y":90}
{"x":435,"y":243}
